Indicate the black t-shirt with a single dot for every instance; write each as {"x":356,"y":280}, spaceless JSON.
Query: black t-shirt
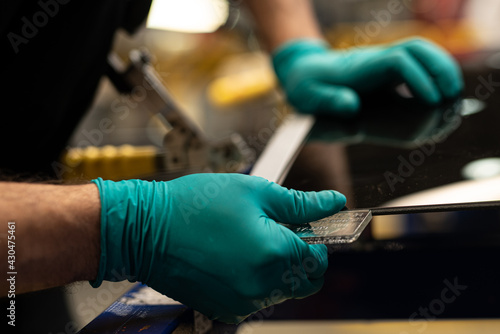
{"x":54,"y":54}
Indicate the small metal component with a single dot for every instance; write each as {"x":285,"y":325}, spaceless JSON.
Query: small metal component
{"x":283,"y":147}
{"x":403,"y":210}
{"x":342,"y":227}
{"x":187,"y":150}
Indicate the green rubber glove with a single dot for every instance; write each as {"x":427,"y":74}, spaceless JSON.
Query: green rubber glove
{"x":211,"y":241}
{"x":317,"y":79}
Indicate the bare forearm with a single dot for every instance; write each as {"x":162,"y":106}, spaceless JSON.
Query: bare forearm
{"x":57,"y":233}
{"x":282,"y":20}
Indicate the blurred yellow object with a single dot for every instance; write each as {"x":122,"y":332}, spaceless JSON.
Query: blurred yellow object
{"x":419,"y":325}
{"x":458,"y":37}
{"x":242,"y":78}
{"x":109,"y":162}
{"x":241,"y":87}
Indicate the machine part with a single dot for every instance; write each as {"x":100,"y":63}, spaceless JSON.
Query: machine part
{"x":186,"y":147}
{"x":144,"y":310}
{"x":141,"y":309}
{"x":230,"y":155}
{"x":400,"y":210}
{"x":340,"y":228}
{"x":346,"y":226}
{"x":110,"y":162}
{"x":283,"y":147}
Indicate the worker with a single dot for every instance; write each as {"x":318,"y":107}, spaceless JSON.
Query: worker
{"x":209,"y":241}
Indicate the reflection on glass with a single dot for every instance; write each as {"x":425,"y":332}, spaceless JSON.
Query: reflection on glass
{"x":393,"y":119}
{"x":481,"y":169}
{"x":473,"y":224}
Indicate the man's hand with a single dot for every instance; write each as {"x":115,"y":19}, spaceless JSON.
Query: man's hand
{"x":211,"y":241}
{"x":319,"y":80}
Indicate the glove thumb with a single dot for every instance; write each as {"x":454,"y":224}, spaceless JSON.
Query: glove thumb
{"x":296,"y":207}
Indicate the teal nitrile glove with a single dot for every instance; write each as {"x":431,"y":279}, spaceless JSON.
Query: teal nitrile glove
{"x":317,"y":79}
{"x":211,"y":241}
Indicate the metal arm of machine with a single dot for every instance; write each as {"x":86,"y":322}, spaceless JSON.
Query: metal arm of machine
{"x":186,"y":147}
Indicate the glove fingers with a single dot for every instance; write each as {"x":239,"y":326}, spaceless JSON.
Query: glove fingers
{"x":323,"y":98}
{"x":292,"y":206}
{"x":443,"y":68}
{"x":315,"y":261}
{"x":409,"y":70}
{"x":313,"y":266}
{"x":309,"y":288}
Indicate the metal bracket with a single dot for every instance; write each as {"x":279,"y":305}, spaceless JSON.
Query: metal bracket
{"x":186,"y":147}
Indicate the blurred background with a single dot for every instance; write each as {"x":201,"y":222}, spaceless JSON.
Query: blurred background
{"x":208,"y":56}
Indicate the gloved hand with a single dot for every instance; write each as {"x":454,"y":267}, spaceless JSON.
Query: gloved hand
{"x":211,"y":242}
{"x":317,"y":79}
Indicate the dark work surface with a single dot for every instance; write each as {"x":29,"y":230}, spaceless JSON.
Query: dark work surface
{"x":394,"y":280}
{"x":408,"y":277}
